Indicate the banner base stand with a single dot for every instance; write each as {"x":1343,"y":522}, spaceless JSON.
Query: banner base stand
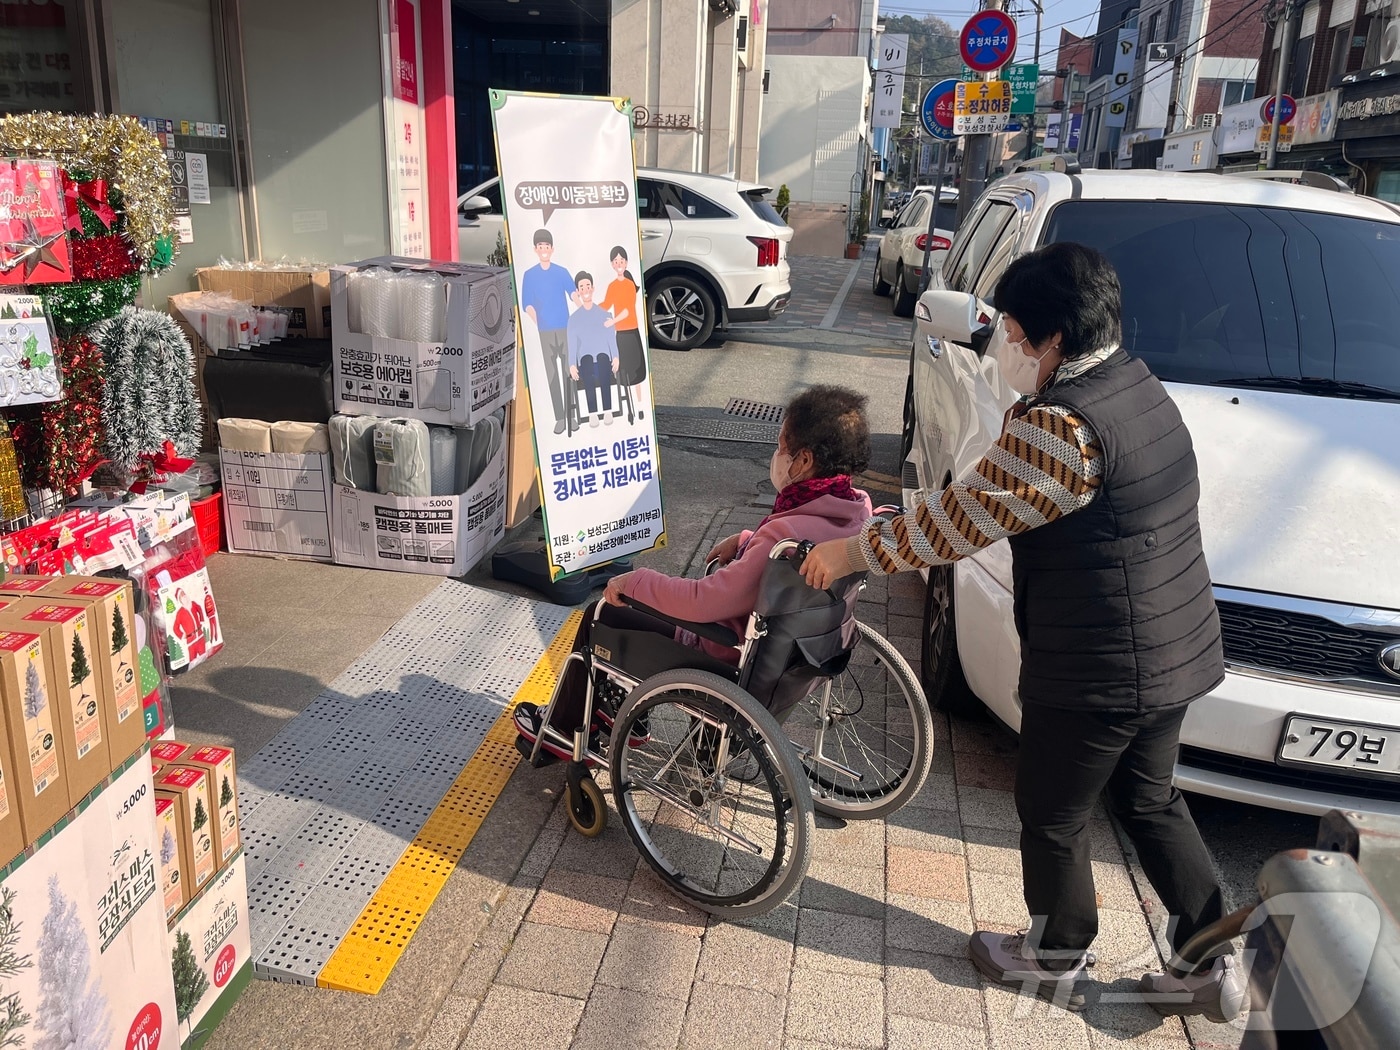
{"x":526,"y":562}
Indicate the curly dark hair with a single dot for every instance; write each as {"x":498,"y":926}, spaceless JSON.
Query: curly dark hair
{"x":1066,"y":288}
{"x":829,"y":421}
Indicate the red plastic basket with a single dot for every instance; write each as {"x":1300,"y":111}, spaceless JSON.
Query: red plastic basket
{"x":209,"y":522}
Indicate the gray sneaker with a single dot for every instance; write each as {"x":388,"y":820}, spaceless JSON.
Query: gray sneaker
{"x":1007,"y":959}
{"x":1221,"y":993}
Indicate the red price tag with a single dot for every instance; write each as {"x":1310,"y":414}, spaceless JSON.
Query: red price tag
{"x":145,"y":1030}
{"x":224,"y":966}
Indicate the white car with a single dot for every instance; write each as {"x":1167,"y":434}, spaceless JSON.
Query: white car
{"x":899,"y":261}
{"x":714,"y":251}
{"x":1270,"y":311}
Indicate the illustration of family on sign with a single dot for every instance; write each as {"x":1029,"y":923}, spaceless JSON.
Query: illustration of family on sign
{"x":593,"y":347}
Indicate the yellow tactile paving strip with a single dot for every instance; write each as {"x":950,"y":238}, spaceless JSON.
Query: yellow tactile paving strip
{"x":373,"y":945}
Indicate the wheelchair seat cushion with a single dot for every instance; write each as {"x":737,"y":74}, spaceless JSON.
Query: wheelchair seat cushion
{"x":643,"y":653}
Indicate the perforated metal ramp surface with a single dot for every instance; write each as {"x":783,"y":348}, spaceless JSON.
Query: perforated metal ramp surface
{"x":355,"y":813}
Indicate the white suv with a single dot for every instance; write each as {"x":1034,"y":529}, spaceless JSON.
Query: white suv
{"x":1271,"y":312}
{"x":714,"y":251}
{"x":899,"y":261}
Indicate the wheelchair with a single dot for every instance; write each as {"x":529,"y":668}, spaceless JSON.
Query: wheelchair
{"x":716,"y":770}
{"x":621,"y":397}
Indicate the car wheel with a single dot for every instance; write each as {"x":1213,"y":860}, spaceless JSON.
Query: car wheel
{"x":903,"y":297}
{"x":879,"y":285}
{"x":681,"y":313}
{"x":942,"y":673}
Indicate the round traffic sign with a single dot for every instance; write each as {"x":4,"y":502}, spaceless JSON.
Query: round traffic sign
{"x":1286,"y":110}
{"x":988,"y":41}
{"x":936,"y":112}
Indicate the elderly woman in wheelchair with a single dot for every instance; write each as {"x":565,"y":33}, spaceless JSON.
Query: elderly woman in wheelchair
{"x":726,"y":708}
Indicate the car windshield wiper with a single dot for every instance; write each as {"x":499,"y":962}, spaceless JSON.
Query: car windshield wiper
{"x":1324,"y":387}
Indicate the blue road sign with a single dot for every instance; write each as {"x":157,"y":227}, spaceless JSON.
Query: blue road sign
{"x":988,"y":41}
{"x":936,"y":113}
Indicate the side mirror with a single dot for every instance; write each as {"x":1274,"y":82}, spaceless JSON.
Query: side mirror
{"x":885,"y":224}
{"x":958,"y":317}
{"x":475,"y":205}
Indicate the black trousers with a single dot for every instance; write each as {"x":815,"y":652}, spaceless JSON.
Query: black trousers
{"x":1067,"y":759}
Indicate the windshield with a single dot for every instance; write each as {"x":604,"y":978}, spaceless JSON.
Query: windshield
{"x":1214,"y":292}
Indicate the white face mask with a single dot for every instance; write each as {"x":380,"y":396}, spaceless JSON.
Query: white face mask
{"x":777,"y":474}
{"x":1020,"y":369}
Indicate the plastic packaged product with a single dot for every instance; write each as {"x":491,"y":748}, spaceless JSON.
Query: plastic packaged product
{"x":442,"y":455}
{"x":401,"y":457}
{"x":298,"y":438}
{"x":422,"y":299}
{"x":379,"y":302}
{"x":245,"y":435}
{"x":352,"y":451}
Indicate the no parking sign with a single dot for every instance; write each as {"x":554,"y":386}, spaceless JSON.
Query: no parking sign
{"x":987,"y":41}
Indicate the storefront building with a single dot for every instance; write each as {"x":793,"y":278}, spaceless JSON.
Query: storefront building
{"x":1368,"y":131}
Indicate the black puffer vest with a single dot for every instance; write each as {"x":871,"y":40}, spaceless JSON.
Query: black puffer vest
{"x":1113,"y":602}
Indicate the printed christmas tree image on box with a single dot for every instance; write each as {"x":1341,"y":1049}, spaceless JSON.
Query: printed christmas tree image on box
{"x":84,"y":951}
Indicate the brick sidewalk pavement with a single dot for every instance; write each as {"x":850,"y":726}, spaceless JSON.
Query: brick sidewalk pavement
{"x":587,"y":949}
{"x":817,"y":282}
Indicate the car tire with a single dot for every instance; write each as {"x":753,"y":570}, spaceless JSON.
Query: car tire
{"x":903,"y":297}
{"x":681,"y":313}
{"x":878,"y":285}
{"x":941,"y":668}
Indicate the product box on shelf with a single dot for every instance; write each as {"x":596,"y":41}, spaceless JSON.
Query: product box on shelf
{"x":11,"y":831}
{"x":37,"y":786}
{"x":189,"y":787}
{"x":218,"y":765}
{"x":211,"y":953}
{"x":170,"y":753}
{"x":168,"y":838}
{"x":305,"y":294}
{"x":112,"y":621}
{"x":435,"y":535}
{"x":456,"y":381}
{"x":76,"y":696}
{"x":18,"y":584}
{"x":277,"y":503}
{"x":87,"y":932}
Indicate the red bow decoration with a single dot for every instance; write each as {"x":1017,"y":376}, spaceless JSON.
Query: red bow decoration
{"x":93,"y":193}
{"x":166,"y":462}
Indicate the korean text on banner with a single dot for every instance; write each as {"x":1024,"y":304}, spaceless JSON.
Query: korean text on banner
{"x":568,"y":185}
{"x":889,"y":81}
{"x":981,"y":107}
{"x":407,"y":174}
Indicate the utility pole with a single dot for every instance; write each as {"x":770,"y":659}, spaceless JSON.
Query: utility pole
{"x":977,"y":152}
{"x":1285,"y":57}
{"x":1030,"y":121}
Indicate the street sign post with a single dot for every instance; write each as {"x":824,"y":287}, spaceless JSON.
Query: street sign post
{"x":988,"y":41}
{"x":936,"y":112}
{"x":1285,"y":138}
{"x":1285,"y":112}
{"x":981,"y":108}
{"x":1024,"y":78}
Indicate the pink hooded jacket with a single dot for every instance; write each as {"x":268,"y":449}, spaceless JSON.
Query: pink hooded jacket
{"x":728,"y":595}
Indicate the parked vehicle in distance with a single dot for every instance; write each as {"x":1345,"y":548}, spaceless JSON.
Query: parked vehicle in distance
{"x":714,"y":251}
{"x":1269,"y":311}
{"x":899,"y":261}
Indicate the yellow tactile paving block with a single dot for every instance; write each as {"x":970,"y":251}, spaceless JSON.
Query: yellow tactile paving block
{"x":363,"y":960}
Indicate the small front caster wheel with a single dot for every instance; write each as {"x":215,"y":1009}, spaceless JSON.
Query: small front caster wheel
{"x":588,"y":813}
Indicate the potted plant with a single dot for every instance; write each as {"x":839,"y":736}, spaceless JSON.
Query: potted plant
{"x":861,"y":228}
{"x":783,"y":201}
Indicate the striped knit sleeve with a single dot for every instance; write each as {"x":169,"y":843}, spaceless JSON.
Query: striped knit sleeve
{"x":1047,"y":464}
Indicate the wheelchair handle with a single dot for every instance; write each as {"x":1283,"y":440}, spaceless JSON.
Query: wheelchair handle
{"x":781,"y":548}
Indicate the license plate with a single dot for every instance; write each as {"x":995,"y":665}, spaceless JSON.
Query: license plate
{"x":1349,"y":747}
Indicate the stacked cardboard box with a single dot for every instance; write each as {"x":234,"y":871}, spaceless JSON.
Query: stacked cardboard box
{"x":199,"y":785}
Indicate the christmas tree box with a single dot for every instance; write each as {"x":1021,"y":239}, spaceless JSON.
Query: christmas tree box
{"x":449,"y":359}
{"x":20,"y":584}
{"x":190,"y":787}
{"x":211,"y":957}
{"x":303,"y":294}
{"x":111,"y":622}
{"x":435,"y":535}
{"x":217,"y":763}
{"x":11,"y":832}
{"x":277,"y":503}
{"x":168,"y":841}
{"x":83,"y":939}
{"x":170,"y":752}
{"x":87,"y":758}
{"x":37,"y":785}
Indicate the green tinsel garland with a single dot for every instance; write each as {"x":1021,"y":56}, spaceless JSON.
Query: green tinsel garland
{"x":87,"y":302}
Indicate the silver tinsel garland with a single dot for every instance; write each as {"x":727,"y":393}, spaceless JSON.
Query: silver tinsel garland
{"x":150,"y":396}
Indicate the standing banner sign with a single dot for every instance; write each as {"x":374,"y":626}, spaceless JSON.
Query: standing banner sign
{"x":408,"y":176}
{"x":568,"y":187}
{"x":889,"y":81}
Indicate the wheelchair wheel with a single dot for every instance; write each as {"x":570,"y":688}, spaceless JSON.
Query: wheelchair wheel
{"x":867,"y":744}
{"x":588,"y":810}
{"x":715,"y":799}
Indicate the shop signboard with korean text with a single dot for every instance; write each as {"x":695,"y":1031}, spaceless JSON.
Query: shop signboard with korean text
{"x":568,"y":186}
{"x":1316,"y":120}
{"x":981,"y":107}
{"x":1192,"y":150}
{"x":1370,"y":108}
{"x":1121,"y":85}
{"x":1052,"y":132}
{"x":1239,"y":128}
{"x":889,"y":81}
{"x":407,"y":168}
